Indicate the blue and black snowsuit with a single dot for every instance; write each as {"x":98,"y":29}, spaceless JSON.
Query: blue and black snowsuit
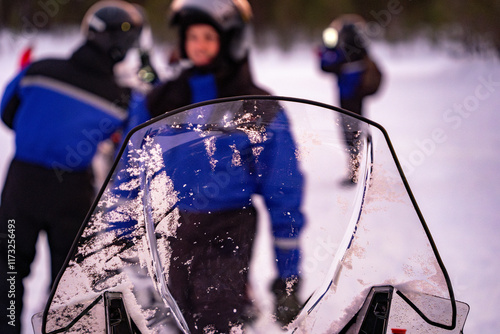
{"x":357,"y":77}
{"x":60,"y":110}
{"x":219,"y":225}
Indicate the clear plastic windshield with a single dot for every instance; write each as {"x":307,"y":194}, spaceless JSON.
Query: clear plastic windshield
{"x":208,"y":206}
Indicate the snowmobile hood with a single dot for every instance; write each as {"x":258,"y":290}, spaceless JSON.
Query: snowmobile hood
{"x":346,"y":209}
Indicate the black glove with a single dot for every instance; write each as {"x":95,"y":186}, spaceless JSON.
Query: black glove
{"x":287,"y":302}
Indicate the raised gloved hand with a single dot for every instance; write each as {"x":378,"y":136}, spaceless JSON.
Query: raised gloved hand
{"x":287,"y":303}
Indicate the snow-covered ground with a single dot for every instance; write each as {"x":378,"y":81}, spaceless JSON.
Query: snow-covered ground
{"x":441,"y":115}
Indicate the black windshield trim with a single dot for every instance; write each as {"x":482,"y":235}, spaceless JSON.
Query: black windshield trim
{"x":74,"y":321}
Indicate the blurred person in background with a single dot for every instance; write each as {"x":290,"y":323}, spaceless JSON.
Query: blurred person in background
{"x":60,"y":110}
{"x":214,"y":40}
{"x":344,"y":53}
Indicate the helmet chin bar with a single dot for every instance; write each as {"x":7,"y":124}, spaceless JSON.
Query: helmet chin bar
{"x":115,"y":44}
{"x":116,"y":54}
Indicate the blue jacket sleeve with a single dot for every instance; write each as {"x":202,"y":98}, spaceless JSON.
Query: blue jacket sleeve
{"x":138,"y":112}
{"x":349,"y":73}
{"x":11,"y":100}
{"x":282,"y":188}
{"x":331,"y":59}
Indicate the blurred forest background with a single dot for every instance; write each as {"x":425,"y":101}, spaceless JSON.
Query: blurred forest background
{"x":475,"y":24}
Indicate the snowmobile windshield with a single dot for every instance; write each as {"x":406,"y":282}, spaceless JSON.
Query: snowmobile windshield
{"x":208,"y":206}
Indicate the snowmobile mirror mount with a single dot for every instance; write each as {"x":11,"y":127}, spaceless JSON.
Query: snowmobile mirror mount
{"x":117,"y":318}
{"x":374,"y":314}
{"x":386,"y":310}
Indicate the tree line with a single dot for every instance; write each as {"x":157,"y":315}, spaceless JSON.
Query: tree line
{"x":473,"y":23}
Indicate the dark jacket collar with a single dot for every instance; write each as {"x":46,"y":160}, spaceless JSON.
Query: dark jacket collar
{"x":93,"y":59}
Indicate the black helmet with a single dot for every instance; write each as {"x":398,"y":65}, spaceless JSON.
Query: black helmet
{"x":114,"y":26}
{"x":347,"y":34}
{"x":231,"y":19}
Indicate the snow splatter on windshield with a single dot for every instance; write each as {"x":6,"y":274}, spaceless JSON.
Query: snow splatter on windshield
{"x":161,"y":213}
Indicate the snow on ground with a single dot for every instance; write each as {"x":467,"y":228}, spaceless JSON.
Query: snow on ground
{"x":441,"y":115}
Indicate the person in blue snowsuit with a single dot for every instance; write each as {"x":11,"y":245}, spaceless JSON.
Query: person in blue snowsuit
{"x":220,"y":227}
{"x":344,"y":53}
{"x":60,"y":110}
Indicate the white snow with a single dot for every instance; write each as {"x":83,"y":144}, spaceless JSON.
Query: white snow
{"x":441,"y":115}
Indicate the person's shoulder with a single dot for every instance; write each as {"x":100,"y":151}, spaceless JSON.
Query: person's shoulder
{"x":164,"y":89}
{"x":45,"y":65}
{"x":169,"y":95}
{"x":244,"y":81}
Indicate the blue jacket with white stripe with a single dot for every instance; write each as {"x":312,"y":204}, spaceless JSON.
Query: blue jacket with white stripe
{"x":61,"y":109}
{"x":273,"y":173}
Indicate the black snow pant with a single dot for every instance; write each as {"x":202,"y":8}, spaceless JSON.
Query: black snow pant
{"x":35,"y":199}
{"x":208,"y":275}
